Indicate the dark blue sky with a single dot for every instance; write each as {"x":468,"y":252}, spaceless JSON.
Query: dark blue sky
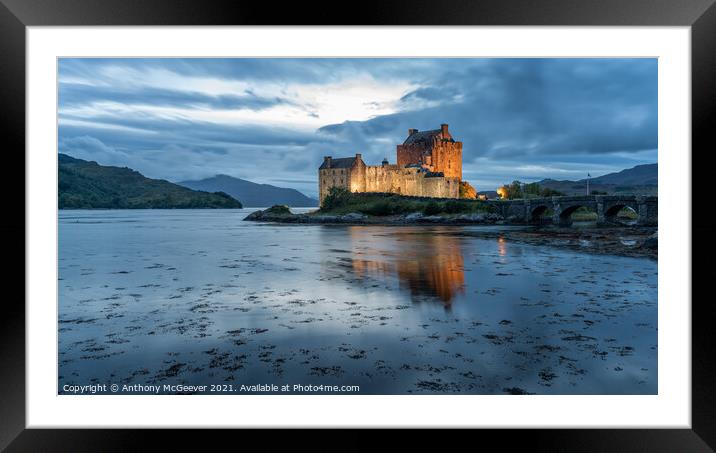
{"x":272,"y":120}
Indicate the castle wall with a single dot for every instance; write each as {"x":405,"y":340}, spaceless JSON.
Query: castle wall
{"x":445,"y":157}
{"x":357,"y":183}
{"x":431,"y":152}
{"x":381,"y":178}
{"x":409,"y":181}
{"x":387,"y":179}
{"x":411,"y":154}
{"x":333,"y":177}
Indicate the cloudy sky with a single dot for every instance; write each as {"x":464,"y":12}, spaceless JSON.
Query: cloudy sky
{"x":273,"y":120}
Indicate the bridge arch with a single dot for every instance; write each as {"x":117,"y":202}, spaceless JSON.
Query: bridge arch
{"x":565,"y":215}
{"x":561,"y":208}
{"x":611,"y":212}
{"x":537,"y":213}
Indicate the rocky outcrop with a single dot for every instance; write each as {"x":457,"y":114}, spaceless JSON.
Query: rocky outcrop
{"x":478,"y":218}
{"x":276,"y":213}
{"x":414,"y":217}
{"x":488,"y":217}
{"x":279,"y":215}
{"x":353,"y":216}
{"x":652,"y":242}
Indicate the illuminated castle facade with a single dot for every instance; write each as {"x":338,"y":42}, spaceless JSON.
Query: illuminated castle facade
{"x":429,"y":164}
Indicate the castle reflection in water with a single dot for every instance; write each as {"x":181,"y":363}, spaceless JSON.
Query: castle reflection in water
{"x":429,"y":264}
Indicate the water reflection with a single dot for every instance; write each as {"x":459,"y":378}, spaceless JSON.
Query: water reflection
{"x":428,"y":264}
{"x":164,"y":302}
{"x":501,"y":246}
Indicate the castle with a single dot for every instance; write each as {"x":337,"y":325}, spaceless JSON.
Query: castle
{"x":429,"y":164}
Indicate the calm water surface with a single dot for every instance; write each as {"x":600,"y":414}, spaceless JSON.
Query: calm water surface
{"x":201,"y":297}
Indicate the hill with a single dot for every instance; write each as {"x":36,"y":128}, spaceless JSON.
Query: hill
{"x":252,"y":194}
{"x":639,"y":180}
{"x":88,"y":185}
{"x":641,"y":175}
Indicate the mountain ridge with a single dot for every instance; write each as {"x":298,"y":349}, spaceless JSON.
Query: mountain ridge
{"x":252,"y":194}
{"x":639,"y":180}
{"x":86,"y":184}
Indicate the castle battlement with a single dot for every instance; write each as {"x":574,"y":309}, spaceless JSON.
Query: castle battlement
{"x":429,"y":164}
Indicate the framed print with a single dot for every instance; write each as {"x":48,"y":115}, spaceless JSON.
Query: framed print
{"x":382,"y":223}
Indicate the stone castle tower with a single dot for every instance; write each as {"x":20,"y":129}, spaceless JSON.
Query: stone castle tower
{"x":434,"y":150}
{"x":429,"y":165}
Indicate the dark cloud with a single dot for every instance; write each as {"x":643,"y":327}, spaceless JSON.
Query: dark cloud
{"x":129,"y":131}
{"x":512,"y":108}
{"x":518,"y":118}
{"x":74,"y":94}
{"x":300,"y":70}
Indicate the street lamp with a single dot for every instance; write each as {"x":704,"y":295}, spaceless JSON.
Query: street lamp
{"x":588,"y":176}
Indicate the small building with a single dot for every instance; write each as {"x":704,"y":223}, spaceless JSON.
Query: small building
{"x":429,"y":164}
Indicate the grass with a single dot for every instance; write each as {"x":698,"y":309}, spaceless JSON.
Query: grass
{"x":584,"y":215}
{"x":627,"y":213}
{"x":280,"y":209}
{"x":340,"y":202}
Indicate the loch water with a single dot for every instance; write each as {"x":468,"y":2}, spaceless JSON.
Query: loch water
{"x":201,"y":297}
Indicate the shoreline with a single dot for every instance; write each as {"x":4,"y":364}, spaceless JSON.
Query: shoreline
{"x":356,"y":218}
{"x":635,"y":242}
{"x":619,"y":240}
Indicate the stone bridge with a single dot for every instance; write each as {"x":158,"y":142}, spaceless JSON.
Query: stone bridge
{"x":533,"y":210}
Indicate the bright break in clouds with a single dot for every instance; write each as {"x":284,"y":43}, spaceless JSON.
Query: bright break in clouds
{"x":272,"y":120}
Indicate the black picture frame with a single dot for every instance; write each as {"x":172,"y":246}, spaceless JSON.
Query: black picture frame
{"x":700,"y":15}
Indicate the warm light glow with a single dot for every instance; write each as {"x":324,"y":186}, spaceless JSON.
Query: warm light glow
{"x":502,"y":192}
{"x":501,"y":246}
{"x":434,"y":268}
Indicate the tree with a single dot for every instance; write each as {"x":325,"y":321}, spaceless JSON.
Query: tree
{"x":512,"y":191}
{"x":532,"y":189}
{"x":547,"y":192}
{"x":467,"y":191}
{"x":337,"y":197}
{"x":516,"y":190}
